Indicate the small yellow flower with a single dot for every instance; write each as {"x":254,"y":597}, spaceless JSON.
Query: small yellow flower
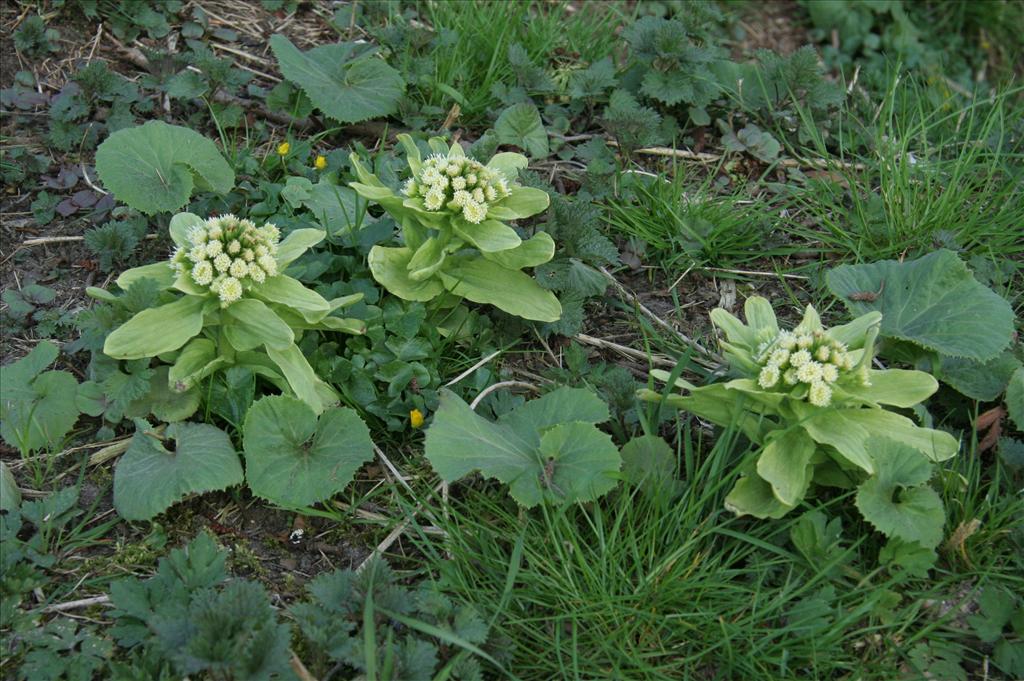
{"x":416,"y":418}
{"x":283,"y":148}
{"x":320,"y":162}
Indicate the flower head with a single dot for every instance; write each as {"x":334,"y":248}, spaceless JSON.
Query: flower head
{"x":320,"y":163}
{"x":460,"y":185}
{"x":221,"y":255}
{"x":283,"y":148}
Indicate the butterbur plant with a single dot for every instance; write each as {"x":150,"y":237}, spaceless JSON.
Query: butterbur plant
{"x":809,"y":399}
{"x":238,"y":308}
{"x":451,"y":210}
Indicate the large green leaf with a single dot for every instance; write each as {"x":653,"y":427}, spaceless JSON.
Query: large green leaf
{"x":1015,"y":398}
{"x":520,"y":124}
{"x":933,"y":301}
{"x":487,"y":282}
{"x":489,"y":236}
{"x":37,"y":407}
{"x":562,"y":460}
{"x":390,"y":267}
{"x":522,"y":202}
{"x":301,"y":378}
{"x":157,"y":330}
{"x":294,"y":459}
{"x":530,"y":253}
{"x":897,"y":500}
{"x":249,"y":324}
{"x":341,"y":83}
{"x":154,"y":167}
{"x":984,"y":381}
{"x":296,"y":243}
{"x":895,"y":387}
{"x":753,"y":496}
{"x":558,"y":406}
{"x":153,"y":474}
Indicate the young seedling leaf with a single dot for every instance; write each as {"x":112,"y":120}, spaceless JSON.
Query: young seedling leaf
{"x":158,"y":470}
{"x":294,"y":459}
{"x":154,"y":167}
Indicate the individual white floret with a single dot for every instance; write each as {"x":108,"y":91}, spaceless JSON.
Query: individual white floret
{"x":234,"y":247}
{"x":809,"y":373}
{"x":779,"y":357}
{"x":787,"y":341}
{"x":474,"y":212}
{"x":820,"y":395}
{"x":248,"y":255}
{"x":214,"y":248}
{"x":829,"y":373}
{"x":433,"y":200}
{"x":256,"y":273}
{"x":269,"y":265}
{"x":478,"y":195}
{"x":804,"y":341}
{"x":490,"y":193}
{"x":197,"y":254}
{"x":461,"y":198}
{"x":202,"y":273}
{"x":790,"y":377}
{"x":768,"y":377}
{"x":799,"y":358}
{"x":222,"y":262}
{"x":822,"y":353}
{"x":230,"y":290}
{"x":239,"y":268}
{"x":410,"y":188}
{"x":458,"y":183}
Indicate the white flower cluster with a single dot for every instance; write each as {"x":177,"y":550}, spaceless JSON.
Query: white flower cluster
{"x":228,"y":255}
{"x":811,"y":359}
{"x":459,"y":184}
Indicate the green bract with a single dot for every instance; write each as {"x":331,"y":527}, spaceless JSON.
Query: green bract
{"x":455,"y":241}
{"x":238,"y":309}
{"x":811,"y":400}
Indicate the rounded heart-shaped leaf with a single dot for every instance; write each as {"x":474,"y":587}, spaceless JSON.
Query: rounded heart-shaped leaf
{"x":292,"y":458}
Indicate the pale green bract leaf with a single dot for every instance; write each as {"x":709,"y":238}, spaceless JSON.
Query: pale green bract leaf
{"x":522,"y":202}
{"x":249,"y":324}
{"x":895,"y":387}
{"x":301,"y":378}
{"x":489,"y":236}
{"x":933,"y":301}
{"x":390,"y":267}
{"x":753,"y":496}
{"x":760,"y":316}
{"x":542,"y":454}
{"x":345,"y":86}
{"x":294,"y":459}
{"x":534,"y":251}
{"x":785,"y":464}
{"x":197,"y":360}
{"x":157,"y":330}
{"x":427,"y":259}
{"x":152,"y":167}
{"x":180,"y":226}
{"x":37,"y":407}
{"x":896,"y":500}
{"x":292,"y":294}
{"x":295,"y":244}
{"x":520,"y":124}
{"x":150,"y":477}
{"x":160,"y":272}
{"x":508,"y":163}
{"x":483,"y":281}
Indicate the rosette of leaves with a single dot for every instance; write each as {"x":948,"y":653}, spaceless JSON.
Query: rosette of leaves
{"x":237,"y":308}
{"x":810,"y":401}
{"x":451,"y":211}
{"x":549,"y":448}
{"x":673,"y":64}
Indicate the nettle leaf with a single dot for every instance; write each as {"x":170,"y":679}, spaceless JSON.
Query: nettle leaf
{"x":897,"y":499}
{"x":294,"y":459}
{"x":344,"y":84}
{"x":547,"y":449}
{"x":933,"y":301}
{"x":154,"y":167}
{"x":521,"y":125}
{"x":37,"y":408}
{"x":158,"y":471}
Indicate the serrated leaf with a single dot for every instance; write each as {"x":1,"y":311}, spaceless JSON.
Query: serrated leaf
{"x":933,"y":301}
{"x":347,"y":87}
{"x":294,"y":459}
{"x":648,"y":460}
{"x":10,"y":495}
{"x":150,"y":478}
{"x":540,"y":453}
{"x":984,"y":381}
{"x":897,"y":500}
{"x":154,"y":167}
